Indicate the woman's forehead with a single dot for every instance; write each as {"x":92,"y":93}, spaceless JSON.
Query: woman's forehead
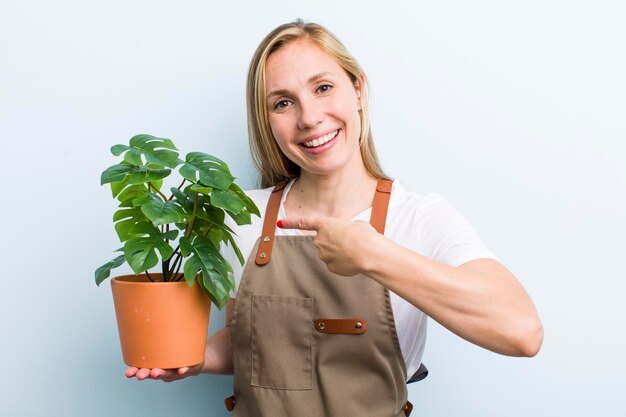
{"x":298,"y":63}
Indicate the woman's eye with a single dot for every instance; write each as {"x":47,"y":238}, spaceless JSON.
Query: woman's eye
{"x":281,"y":104}
{"x":324,"y":88}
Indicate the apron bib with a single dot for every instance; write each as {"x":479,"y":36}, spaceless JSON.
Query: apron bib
{"x":310,"y":343}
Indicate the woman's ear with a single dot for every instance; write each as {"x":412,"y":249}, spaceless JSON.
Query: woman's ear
{"x":361,"y":95}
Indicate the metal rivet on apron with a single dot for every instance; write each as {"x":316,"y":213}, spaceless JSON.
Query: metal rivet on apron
{"x":358,"y":325}
{"x":322,"y":326}
{"x":266,"y":239}
{"x":262,"y":255}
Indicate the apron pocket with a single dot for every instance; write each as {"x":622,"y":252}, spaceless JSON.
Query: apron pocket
{"x":281,"y":342}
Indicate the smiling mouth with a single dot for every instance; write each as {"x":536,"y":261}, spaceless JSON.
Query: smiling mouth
{"x":321,"y":141}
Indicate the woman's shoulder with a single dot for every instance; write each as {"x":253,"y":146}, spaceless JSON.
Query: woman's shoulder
{"x":408,"y":201}
{"x":432,"y":226}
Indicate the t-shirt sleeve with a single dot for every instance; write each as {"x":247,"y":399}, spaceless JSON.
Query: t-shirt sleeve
{"x":446,"y":235}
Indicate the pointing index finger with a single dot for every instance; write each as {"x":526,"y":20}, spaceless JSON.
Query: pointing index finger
{"x":302,"y":223}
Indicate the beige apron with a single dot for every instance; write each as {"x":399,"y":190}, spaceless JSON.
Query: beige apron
{"x":309,"y":343}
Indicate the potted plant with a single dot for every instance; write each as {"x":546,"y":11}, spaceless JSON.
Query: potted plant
{"x":163,"y":316}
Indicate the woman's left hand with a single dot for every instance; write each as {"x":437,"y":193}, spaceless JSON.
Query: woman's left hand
{"x":342,"y":244}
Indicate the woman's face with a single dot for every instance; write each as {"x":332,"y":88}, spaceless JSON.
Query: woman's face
{"x":313,"y":108}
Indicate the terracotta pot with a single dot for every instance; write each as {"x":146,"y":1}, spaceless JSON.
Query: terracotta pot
{"x":161,"y":324}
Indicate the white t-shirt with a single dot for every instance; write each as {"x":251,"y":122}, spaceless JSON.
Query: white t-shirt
{"x":428,"y":225}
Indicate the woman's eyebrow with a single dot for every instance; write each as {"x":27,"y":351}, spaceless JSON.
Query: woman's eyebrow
{"x":311,"y":80}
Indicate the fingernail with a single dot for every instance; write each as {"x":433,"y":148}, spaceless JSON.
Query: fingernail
{"x":279,"y":223}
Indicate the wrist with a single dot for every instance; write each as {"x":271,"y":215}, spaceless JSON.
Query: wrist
{"x":370,"y":251}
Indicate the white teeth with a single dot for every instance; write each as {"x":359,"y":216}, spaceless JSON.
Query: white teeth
{"x":320,"y":141}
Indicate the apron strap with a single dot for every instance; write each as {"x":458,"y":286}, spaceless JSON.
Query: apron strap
{"x":380,"y":205}
{"x":408,"y":408}
{"x":264,"y":253}
{"x":377,"y":219}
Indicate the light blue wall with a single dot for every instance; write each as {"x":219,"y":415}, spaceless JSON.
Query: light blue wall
{"x":512,"y":110}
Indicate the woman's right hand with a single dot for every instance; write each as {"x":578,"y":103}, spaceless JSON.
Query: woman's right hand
{"x":165,"y":375}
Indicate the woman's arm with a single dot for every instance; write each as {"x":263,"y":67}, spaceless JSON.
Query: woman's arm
{"x":218,"y":358}
{"x":480,"y":301}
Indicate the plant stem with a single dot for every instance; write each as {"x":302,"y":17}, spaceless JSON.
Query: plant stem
{"x":178,"y":256}
{"x":149,"y":277}
{"x":163,"y":196}
{"x":181,"y":184}
{"x":165,"y":265}
{"x":169,"y":262}
{"x":180,"y":262}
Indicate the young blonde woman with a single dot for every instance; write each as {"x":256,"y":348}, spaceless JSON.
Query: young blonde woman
{"x":345,"y":265}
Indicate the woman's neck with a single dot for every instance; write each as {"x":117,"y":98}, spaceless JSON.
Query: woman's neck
{"x":342,"y":195}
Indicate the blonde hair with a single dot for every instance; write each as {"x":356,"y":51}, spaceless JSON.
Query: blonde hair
{"x":273,"y":166}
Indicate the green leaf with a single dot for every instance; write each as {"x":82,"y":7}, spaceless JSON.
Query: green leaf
{"x":179,"y":194}
{"x":182,"y":198}
{"x":127,"y":203}
{"x":141,"y":175}
{"x":221,"y":292}
{"x":140,"y":252}
{"x":191,"y":269}
{"x":126,"y":218}
{"x":118,"y":149}
{"x":201,"y":189}
{"x":220,"y":278}
{"x":207,"y":170}
{"x":131,"y":174}
{"x":115,"y":173}
{"x":215,"y":236}
{"x":171,"y":235}
{"x":104,"y":271}
{"x":117,"y":187}
{"x":213,"y":215}
{"x":233,"y":245}
{"x":206,"y":211}
{"x":241,"y":218}
{"x":205,"y":258}
{"x":185,"y":246}
{"x":131,"y":192}
{"x":227,"y":200}
{"x":155,"y":150}
{"x":158,"y":211}
{"x":157,"y":184}
{"x":252,"y":208}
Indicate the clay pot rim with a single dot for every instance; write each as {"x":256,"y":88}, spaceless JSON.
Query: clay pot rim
{"x":130,"y":279}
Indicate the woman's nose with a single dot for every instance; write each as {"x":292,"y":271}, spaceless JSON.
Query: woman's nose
{"x":310,"y":114}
